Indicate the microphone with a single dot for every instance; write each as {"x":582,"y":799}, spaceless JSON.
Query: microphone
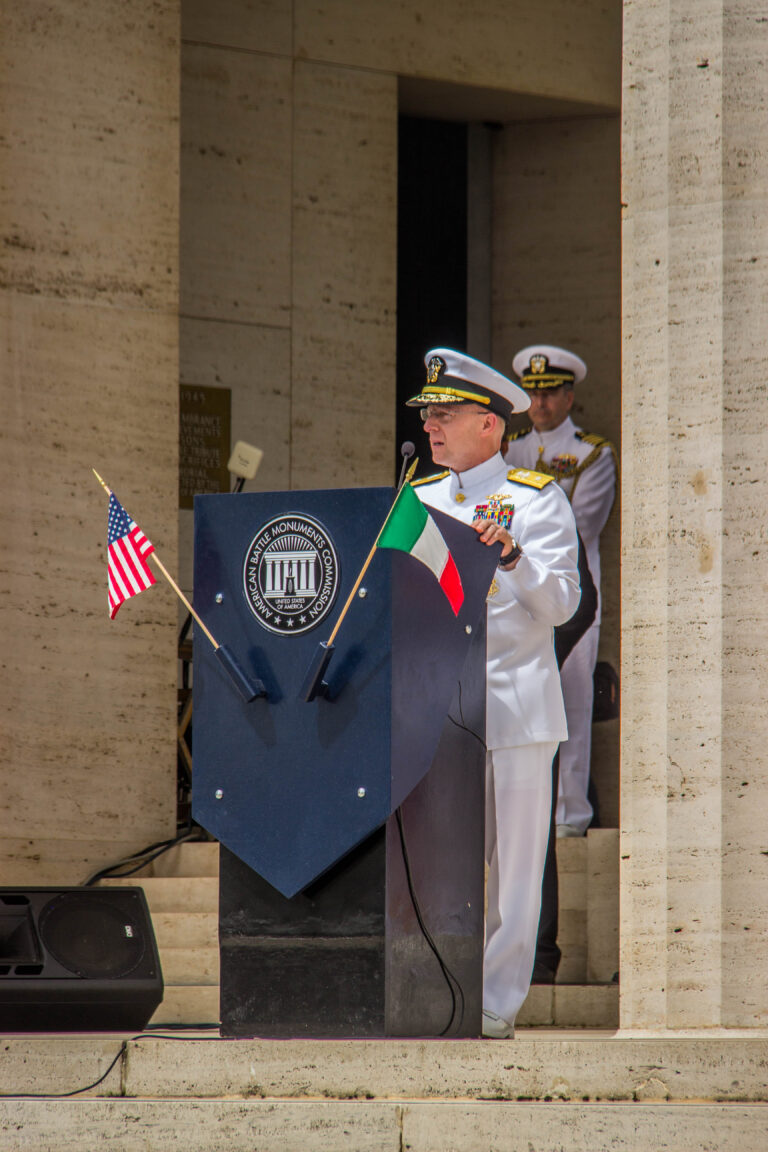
{"x":244,"y":463}
{"x":407,"y":449}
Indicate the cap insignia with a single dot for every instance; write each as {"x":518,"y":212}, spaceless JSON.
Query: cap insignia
{"x":434,"y":368}
{"x":539,"y":364}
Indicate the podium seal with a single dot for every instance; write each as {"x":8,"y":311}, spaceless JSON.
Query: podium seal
{"x":291,"y":574}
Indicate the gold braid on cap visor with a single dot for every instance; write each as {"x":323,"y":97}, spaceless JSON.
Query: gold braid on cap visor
{"x":533,"y":380}
{"x":438,"y":394}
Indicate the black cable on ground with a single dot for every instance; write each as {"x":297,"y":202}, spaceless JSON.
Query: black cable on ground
{"x":148,"y":1034}
{"x":138,"y":860}
{"x":62,"y":1095}
{"x":145,"y":1035}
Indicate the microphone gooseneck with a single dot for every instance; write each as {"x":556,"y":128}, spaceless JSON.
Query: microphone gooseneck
{"x":407,"y":449}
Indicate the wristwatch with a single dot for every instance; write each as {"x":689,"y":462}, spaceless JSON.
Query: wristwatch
{"x":505,"y":562}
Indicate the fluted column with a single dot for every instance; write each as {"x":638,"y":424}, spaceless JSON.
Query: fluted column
{"x":695,"y":450}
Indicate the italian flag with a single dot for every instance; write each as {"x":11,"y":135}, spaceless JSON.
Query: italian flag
{"x":410,"y":528}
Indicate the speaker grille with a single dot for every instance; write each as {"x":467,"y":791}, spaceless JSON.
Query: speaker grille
{"x":93,"y":937}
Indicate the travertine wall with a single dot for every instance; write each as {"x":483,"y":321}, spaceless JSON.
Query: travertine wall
{"x":556,"y":280}
{"x":88,"y":370}
{"x":564,"y":49}
{"x":288,"y":220}
{"x":289,"y":169}
{"x":288,"y":201}
{"x":287,"y":208}
{"x":288,"y":243}
{"x":695,"y":728}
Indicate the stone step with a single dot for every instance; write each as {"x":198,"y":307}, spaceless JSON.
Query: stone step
{"x":186,"y":929}
{"x":572,"y":942}
{"x":572,"y":903}
{"x":586,"y":1066}
{"x":605,"y":770}
{"x":175,"y":894}
{"x":571,"y":855}
{"x":582,"y":857}
{"x":195,"y":858}
{"x":183,"y":904}
{"x":182,"y":966}
{"x":570,"y":1006}
{"x":572,"y":888}
{"x":185,"y":916}
{"x":192,"y":997}
{"x":376,"y":1126}
{"x":603,"y":846}
{"x":588,"y":928}
{"x":187,"y":1004}
{"x":602,"y":926}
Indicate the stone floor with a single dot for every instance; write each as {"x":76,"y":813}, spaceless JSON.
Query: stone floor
{"x":589,"y":1088}
{"x":541,"y":1091}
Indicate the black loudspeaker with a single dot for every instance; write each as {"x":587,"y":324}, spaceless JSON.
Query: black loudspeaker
{"x":77,"y":960}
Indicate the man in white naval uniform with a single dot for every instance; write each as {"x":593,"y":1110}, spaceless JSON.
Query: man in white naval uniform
{"x":585,"y":468}
{"x":465,"y":406}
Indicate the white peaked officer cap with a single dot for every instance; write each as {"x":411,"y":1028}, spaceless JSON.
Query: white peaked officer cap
{"x":453,"y":378}
{"x":545,"y":366}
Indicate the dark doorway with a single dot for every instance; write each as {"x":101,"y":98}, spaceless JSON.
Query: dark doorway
{"x":431,"y":260}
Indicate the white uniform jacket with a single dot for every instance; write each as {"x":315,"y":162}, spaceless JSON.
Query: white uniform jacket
{"x":584,"y":467}
{"x":524,"y":703}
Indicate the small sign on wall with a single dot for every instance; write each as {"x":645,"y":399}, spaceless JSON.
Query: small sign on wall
{"x":204,"y":441}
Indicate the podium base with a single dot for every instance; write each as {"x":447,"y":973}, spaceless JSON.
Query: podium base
{"x":347,"y":957}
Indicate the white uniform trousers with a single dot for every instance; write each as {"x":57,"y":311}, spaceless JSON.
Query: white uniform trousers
{"x":576,"y":677}
{"x":518,"y":798}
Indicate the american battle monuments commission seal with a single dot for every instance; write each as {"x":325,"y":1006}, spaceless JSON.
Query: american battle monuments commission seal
{"x":291,"y":574}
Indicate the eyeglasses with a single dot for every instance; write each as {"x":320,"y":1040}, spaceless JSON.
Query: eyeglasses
{"x":445,"y":415}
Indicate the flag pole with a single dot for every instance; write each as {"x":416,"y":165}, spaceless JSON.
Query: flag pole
{"x":154,"y":557}
{"x":370,"y":556}
{"x":248,"y":688}
{"x":168,"y":576}
{"x":314,"y":685}
{"x":355,"y":587}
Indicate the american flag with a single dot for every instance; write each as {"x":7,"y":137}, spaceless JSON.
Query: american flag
{"x":128,"y":552}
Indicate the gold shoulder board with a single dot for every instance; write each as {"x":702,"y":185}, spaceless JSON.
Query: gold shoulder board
{"x":519,"y":435}
{"x":526,"y":476}
{"x":431,"y":479}
{"x":593,"y":438}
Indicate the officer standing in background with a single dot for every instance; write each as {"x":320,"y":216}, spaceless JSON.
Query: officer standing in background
{"x":465,"y":406}
{"x":584,"y":466}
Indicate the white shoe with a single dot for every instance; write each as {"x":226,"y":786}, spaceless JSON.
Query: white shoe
{"x":496,"y":1027}
{"x":562,"y":831}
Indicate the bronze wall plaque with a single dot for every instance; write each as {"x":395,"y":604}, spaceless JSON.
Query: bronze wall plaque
{"x":204,"y":441}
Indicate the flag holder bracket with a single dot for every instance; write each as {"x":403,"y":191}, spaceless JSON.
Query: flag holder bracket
{"x":314,"y":685}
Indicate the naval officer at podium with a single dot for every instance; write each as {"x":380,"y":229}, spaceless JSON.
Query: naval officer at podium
{"x":465,"y":406}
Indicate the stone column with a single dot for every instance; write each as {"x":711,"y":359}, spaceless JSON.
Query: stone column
{"x":695,"y":728}
{"x":88,"y":378}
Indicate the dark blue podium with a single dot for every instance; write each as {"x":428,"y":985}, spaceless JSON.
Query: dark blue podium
{"x":338,"y":918}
